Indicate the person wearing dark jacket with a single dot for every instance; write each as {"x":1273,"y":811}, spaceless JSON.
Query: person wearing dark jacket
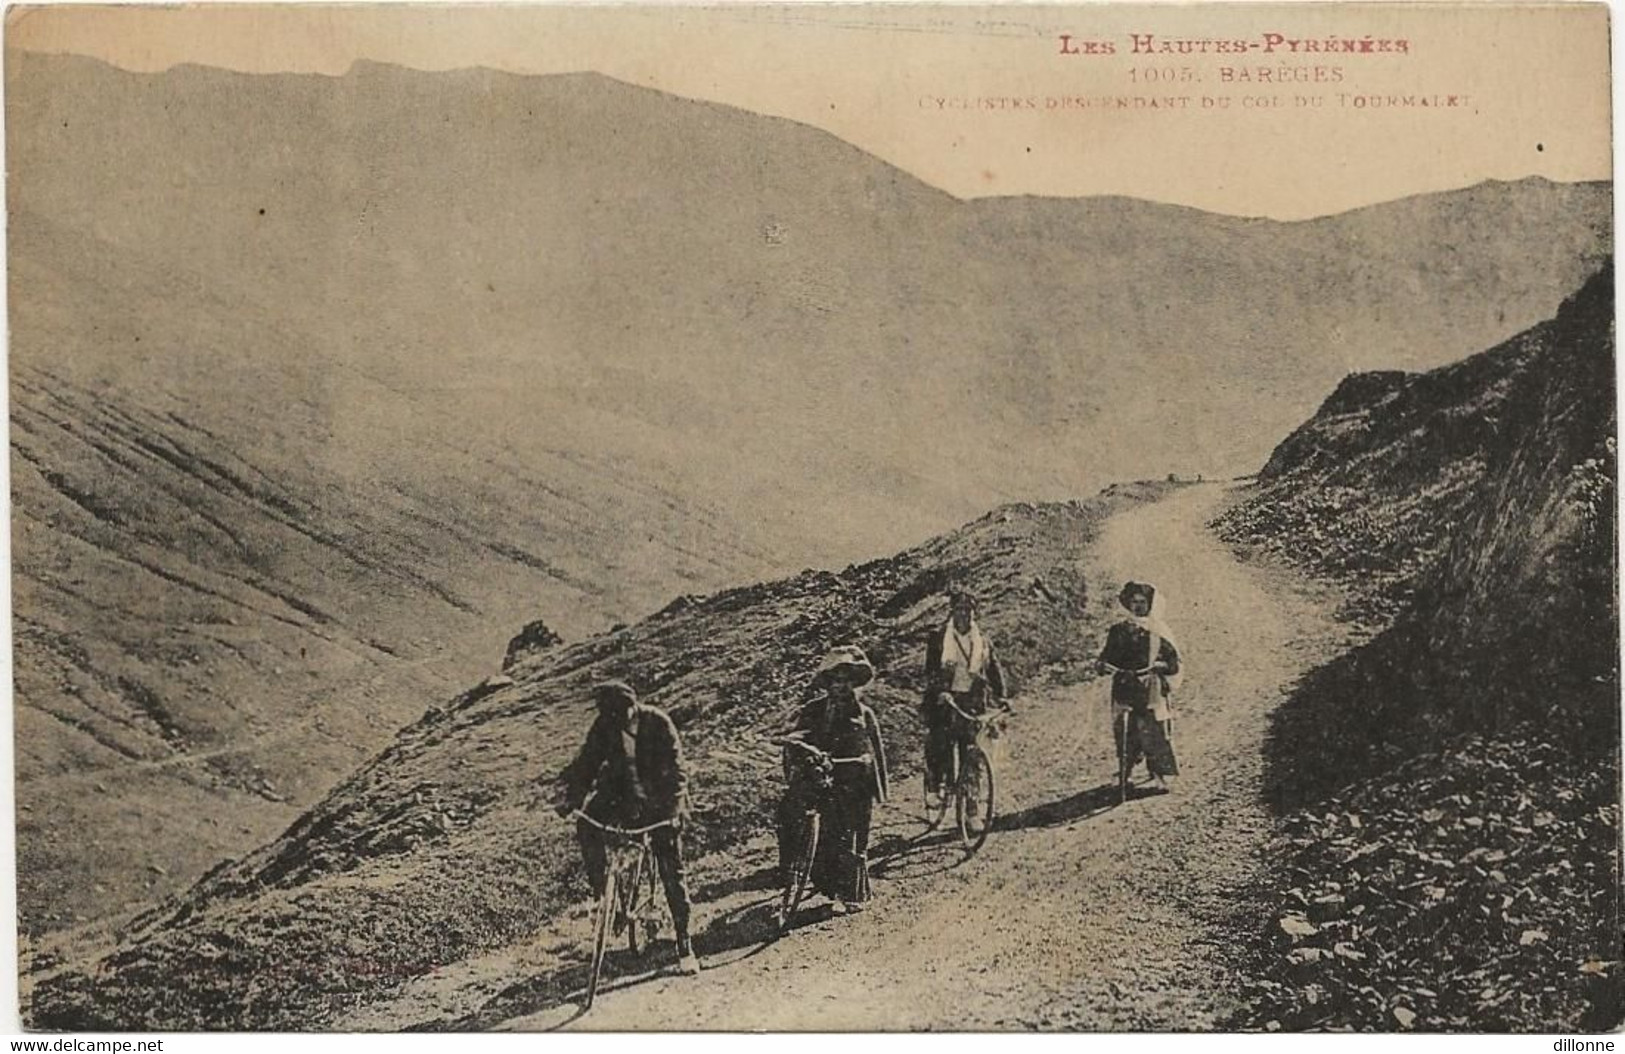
{"x":842,"y":777}
{"x":629,"y":774}
{"x":961,"y":670}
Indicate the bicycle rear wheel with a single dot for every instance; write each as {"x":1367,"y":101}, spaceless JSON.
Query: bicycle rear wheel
{"x":607,"y":906}
{"x":800,"y":873}
{"x":973,"y":804}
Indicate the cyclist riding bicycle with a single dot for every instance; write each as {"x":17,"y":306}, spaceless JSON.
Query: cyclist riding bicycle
{"x":961,"y":670}
{"x":629,"y":774}
{"x":834,"y":763}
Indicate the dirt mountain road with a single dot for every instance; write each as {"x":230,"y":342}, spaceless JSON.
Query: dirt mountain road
{"x":1079,"y":913}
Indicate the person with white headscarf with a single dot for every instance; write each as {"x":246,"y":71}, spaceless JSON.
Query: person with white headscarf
{"x":1143,"y":658}
{"x":963,"y":672}
{"x":843,"y":780}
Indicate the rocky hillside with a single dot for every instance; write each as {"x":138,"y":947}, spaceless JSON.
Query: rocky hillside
{"x":1450,"y":858}
{"x":321,"y":385}
{"x":430,"y":853}
{"x":1371,"y":489}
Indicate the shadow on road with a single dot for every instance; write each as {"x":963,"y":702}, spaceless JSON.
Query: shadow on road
{"x":932,"y":851}
{"x":730,"y":937}
{"x":1080,"y":806}
{"x":761,"y":879}
{"x":926,"y":852}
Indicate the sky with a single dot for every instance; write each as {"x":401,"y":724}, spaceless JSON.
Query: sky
{"x":1522,"y":91}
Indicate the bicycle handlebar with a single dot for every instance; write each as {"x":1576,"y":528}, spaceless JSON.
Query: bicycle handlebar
{"x":980,"y":719}
{"x":791,"y":741}
{"x":627,"y":832}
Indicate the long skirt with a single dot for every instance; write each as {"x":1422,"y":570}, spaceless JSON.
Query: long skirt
{"x":1136,"y":734}
{"x":841,"y":866}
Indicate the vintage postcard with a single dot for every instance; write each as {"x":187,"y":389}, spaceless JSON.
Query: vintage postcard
{"x":874,"y":517}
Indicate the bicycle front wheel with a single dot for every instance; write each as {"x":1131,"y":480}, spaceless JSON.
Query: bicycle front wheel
{"x":973,"y":804}
{"x":607,"y":907}
{"x":800,"y":876}
{"x":1124,"y":769}
{"x":631,"y":901}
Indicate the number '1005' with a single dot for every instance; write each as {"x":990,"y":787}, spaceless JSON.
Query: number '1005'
{"x":1161,"y":74}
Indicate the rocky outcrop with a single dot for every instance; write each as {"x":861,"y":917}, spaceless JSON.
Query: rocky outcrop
{"x":535,"y":637}
{"x":1471,"y":510}
{"x":1450,"y":853}
{"x":1370,"y":489}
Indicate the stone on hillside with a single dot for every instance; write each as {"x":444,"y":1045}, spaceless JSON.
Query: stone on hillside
{"x":535,"y":637}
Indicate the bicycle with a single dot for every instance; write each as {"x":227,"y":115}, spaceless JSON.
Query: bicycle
{"x":801,"y":865}
{"x":630,"y":900}
{"x":970,"y":780}
{"x":1120,"y":729}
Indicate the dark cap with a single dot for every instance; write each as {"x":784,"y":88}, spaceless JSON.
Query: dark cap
{"x":614,"y":692}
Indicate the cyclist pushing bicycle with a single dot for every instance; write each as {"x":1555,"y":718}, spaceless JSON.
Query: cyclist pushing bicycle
{"x":835,"y":769}
{"x":1143,"y":660}
{"x":629,"y":776}
{"x":963,"y":682}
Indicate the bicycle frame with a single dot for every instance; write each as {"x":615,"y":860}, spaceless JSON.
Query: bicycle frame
{"x":985,"y":728}
{"x":801,"y":865}
{"x":968,"y":756}
{"x":1120,"y":722}
{"x":629,"y":865}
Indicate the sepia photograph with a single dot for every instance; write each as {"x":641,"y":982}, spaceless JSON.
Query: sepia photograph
{"x":872,"y":517}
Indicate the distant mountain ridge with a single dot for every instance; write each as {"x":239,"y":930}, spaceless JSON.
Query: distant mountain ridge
{"x":382,"y":366}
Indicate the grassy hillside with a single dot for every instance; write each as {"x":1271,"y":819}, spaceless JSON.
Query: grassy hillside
{"x":1450,"y":858}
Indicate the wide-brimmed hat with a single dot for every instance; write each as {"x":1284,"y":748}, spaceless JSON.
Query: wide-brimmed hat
{"x":958,"y":596}
{"x":614,"y":692}
{"x":848,"y":655}
{"x":1137,"y":589}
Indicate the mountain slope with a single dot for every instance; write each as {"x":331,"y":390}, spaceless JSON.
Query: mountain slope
{"x":220,"y":612}
{"x":703,"y":271}
{"x":1470,"y":510}
{"x":383,"y":365}
{"x":1450,"y":857}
